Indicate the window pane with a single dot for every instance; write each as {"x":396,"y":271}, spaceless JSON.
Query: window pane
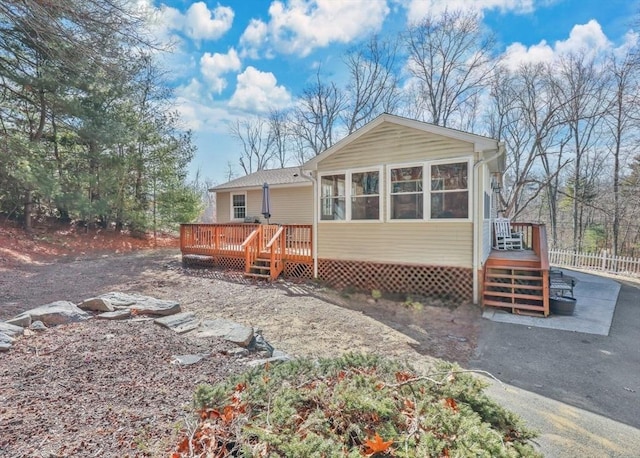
{"x":332,"y":186}
{"x":365,"y":183}
{"x":333,"y":208}
{"x":332,"y":197}
{"x":449,"y":176}
{"x":365,"y":207}
{"x":406,"y":174}
{"x":450,"y":205}
{"x":406,"y":206}
{"x":239,"y":206}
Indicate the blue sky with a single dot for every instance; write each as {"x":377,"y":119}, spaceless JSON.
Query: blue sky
{"x":237,"y":58}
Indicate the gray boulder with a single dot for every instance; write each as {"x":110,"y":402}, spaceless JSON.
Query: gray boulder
{"x":143,"y":305}
{"x":38,"y":326}
{"x":180,"y":322}
{"x":59,"y":312}
{"x":23,"y":320}
{"x":115,"y":315}
{"x":227,"y":330}
{"x":10,"y":330}
{"x":97,"y":304}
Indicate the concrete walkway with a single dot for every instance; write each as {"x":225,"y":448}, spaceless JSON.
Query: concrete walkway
{"x":596,"y":302}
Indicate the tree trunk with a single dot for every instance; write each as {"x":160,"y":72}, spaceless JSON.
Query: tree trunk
{"x":28,"y":208}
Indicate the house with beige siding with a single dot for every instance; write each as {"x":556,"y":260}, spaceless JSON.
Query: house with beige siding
{"x":399,"y":205}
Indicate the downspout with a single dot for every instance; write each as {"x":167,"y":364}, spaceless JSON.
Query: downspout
{"x":314,"y":221}
{"x":478,"y":219}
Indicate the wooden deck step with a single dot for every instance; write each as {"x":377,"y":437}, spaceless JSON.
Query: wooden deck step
{"x":514,"y":307}
{"x":513,"y":295}
{"x":513,"y":286}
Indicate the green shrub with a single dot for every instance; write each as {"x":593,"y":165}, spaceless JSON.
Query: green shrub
{"x":352,"y":406}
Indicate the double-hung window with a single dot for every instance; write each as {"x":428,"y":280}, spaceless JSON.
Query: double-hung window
{"x":406,"y":196}
{"x":365,"y":195}
{"x":444,"y":195}
{"x":449,"y":190}
{"x":333,"y":197}
{"x":238,"y":206}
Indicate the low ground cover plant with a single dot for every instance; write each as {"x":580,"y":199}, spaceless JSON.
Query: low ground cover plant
{"x":352,"y":406}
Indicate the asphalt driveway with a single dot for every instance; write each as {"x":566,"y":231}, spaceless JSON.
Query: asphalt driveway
{"x":586,"y":372}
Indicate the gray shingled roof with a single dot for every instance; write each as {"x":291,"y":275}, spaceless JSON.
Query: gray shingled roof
{"x":287,"y":175}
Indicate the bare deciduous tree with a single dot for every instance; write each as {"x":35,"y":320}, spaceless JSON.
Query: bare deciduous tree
{"x":580,"y":90}
{"x":315,"y":119}
{"x":257,"y":144}
{"x":372,"y":87}
{"x":280,"y":130}
{"x":450,"y":57}
{"x":622,"y":120}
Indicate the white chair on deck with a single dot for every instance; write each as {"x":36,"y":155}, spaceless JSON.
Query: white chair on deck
{"x":505,"y":238}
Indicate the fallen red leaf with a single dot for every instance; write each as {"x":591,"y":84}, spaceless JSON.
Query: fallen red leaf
{"x":451,"y":403}
{"x":376,"y":445}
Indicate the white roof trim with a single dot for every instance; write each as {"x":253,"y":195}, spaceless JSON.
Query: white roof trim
{"x":271,"y":186}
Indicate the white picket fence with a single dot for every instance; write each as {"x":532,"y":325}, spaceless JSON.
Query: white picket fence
{"x":603,"y":261}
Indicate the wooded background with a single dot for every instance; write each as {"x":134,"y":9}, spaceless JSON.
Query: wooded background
{"x":89,"y":132}
{"x":570,"y":126}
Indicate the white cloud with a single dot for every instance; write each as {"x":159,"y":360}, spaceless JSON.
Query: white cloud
{"x":258,"y":91}
{"x":200,"y":23}
{"x":417,"y":9}
{"x":584,"y":38}
{"x":197,"y":23}
{"x":253,"y":38}
{"x":213,"y":66}
{"x":299,"y":26}
{"x":194,"y":90}
{"x":200,"y":117}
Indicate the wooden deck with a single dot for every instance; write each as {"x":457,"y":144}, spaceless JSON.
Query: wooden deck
{"x":518,"y":280}
{"x":262,"y":250}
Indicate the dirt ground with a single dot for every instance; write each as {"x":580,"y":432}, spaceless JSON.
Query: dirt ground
{"x":110,"y":389}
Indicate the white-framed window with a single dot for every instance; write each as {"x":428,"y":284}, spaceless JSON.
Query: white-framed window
{"x":365,"y":195}
{"x":238,"y":206}
{"x":449,"y":190}
{"x":352,"y":195}
{"x":333,"y":203}
{"x":435,"y":190}
{"x":406,"y":199}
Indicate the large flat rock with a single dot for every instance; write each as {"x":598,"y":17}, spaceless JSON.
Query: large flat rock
{"x":59,"y":312}
{"x":97,"y":304}
{"x":180,"y":322}
{"x":10,"y":329}
{"x":143,"y":305}
{"x":225,"y":329}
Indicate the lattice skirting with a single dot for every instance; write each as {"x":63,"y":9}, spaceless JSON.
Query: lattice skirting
{"x":443,"y":282}
{"x":298,"y":270}
{"x":291,"y":269}
{"x":217,"y":262}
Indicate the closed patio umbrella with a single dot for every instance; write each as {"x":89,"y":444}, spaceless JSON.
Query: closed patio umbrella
{"x":266,"y":202}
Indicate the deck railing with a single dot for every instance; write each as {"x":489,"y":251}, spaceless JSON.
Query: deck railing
{"x":252,"y":247}
{"x":228,"y":239}
{"x":276,"y":248}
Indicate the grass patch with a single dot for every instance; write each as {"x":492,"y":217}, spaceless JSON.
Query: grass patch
{"x":352,"y":406}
